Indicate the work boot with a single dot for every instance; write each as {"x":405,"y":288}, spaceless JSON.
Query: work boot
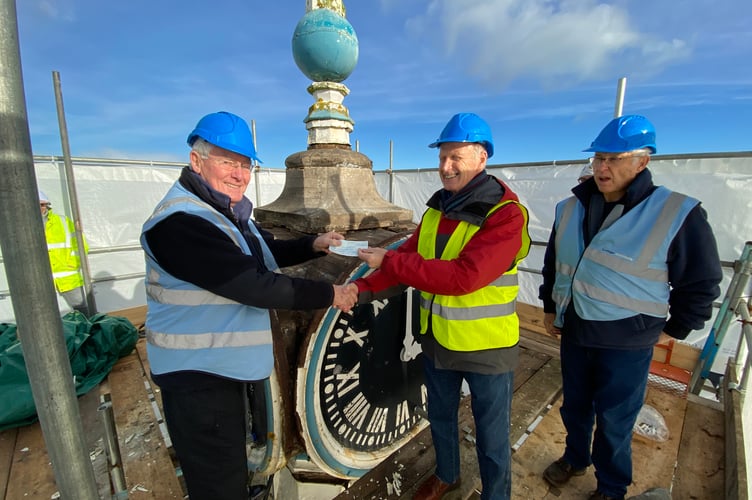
{"x":560,"y":472}
{"x":597,"y":495}
{"x":434,"y":488}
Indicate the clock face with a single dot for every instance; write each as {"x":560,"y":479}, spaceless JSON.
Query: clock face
{"x":362,"y":383}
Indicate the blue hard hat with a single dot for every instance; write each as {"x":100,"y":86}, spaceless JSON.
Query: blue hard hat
{"x":466,"y":127}
{"x":625,"y":133}
{"x":227,"y":131}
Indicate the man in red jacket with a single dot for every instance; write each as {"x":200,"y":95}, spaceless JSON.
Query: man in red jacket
{"x":463,"y":258}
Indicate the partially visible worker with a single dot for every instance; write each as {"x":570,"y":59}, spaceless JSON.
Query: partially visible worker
{"x":65,"y":260}
{"x":463,"y":258}
{"x":629,"y":264}
{"x":212,"y":275}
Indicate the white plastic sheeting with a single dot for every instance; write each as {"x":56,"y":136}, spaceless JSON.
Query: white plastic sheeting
{"x":115,"y":198}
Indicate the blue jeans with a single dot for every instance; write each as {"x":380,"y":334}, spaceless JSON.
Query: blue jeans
{"x":491,"y":399}
{"x":605,"y":387}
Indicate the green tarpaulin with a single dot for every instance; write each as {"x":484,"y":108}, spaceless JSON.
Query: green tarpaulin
{"x":94,"y":345}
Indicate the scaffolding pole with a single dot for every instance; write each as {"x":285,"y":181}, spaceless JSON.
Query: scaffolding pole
{"x":29,"y":275}
{"x":70,"y":180}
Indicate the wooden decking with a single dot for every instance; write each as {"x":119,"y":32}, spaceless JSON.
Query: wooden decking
{"x":25,"y":470}
{"x":690,"y":463}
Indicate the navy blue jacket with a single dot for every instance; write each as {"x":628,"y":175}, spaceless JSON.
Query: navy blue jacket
{"x":694,"y":271}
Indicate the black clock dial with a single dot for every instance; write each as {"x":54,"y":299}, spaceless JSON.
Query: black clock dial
{"x":363,"y":379}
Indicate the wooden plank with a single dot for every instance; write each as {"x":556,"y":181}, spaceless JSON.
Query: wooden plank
{"x":7,"y":447}
{"x":532,"y":399}
{"x":545,"y":344}
{"x":735,"y":481}
{"x":700,"y":473}
{"x":31,"y":474}
{"x":155,"y":392}
{"x":531,"y":318}
{"x":149,"y":471}
{"x":529,"y":364}
{"x":136,"y":315}
{"x":653,"y":462}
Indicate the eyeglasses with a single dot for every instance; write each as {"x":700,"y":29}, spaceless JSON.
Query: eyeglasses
{"x":613,"y":160}
{"x":229,"y":165}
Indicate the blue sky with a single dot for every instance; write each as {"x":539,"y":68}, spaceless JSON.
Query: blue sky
{"x":137,"y":75}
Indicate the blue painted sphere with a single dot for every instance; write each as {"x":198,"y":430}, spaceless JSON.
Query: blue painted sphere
{"x":325,"y":46}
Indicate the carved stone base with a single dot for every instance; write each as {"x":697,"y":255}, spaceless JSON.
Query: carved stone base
{"x":330,"y":189}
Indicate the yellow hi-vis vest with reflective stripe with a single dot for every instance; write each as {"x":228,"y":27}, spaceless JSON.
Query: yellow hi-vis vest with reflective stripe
{"x":63,"y":250}
{"x":483,"y":319}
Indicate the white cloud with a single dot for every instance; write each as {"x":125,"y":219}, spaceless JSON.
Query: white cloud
{"x":558,"y":43}
{"x":57,"y":9}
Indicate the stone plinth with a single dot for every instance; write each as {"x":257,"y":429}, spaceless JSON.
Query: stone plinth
{"x":330,"y":189}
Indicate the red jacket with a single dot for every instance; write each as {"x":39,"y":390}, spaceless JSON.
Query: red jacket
{"x":489,"y":254}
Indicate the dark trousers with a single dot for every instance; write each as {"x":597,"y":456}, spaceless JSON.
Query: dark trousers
{"x":207,"y":423}
{"x":491,"y":401}
{"x":605,"y":387}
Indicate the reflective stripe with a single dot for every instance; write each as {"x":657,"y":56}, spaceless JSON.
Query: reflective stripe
{"x":208,"y":340}
{"x":566,"y":214}
{"x":661,"y":227}
{"x":185,"y":297}
{"x":658,"y":232}
{"x":564,"y":268}
{"x":63,"y":274}
{"x":620,"y":264}
{"x":505,"y":280}
{"x":468,"y":313}
{"x":646,"y":307}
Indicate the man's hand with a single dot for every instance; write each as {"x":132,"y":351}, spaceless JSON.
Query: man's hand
{"x":345,"y":297}
{"x":373,"y":256}
{"x":548,"y":323}
{"x":324,"y":241}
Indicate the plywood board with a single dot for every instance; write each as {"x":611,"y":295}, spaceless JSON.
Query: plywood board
{"x":653,"y":463}
{"x":7,"y":447}
{"x":700,"y":473}
{"x":149,"y":471}
{"x":31,"y":474}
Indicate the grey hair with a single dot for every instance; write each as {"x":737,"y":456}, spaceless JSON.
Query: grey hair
{"x":202,"y":147}
{"x":479,"y":148}
{"x":639,"y":153}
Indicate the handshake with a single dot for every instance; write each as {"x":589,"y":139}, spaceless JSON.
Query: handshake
{"x":345,"y":296}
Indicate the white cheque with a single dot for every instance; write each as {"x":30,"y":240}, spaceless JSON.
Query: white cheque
{"x":348,"y":248}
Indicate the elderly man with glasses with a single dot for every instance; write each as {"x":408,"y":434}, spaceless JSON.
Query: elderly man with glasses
{"x":628,"y":264}
{"x":211,"y":277}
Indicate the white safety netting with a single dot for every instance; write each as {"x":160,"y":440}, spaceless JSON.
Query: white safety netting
{"x":116,"y":197}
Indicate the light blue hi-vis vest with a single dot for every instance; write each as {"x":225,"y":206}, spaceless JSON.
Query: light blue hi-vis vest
{"x":190,"y":328}
{"x":623,"y":271}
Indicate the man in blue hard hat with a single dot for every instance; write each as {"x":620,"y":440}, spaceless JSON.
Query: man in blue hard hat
{"x":463,"y":258}
{"x":211,"y":278}
{"x":628,"y":264}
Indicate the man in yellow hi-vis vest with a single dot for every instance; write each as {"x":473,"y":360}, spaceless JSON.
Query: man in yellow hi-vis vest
{"x":463,"y":258}
{"x":65,"y":261}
